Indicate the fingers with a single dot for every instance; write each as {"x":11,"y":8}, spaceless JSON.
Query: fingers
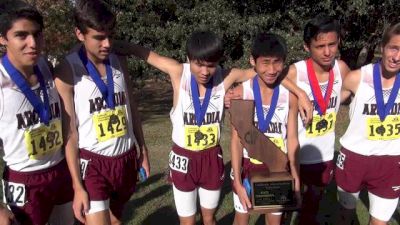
{"x":79,"y":215}
{"x":11,"y":217}
{"x":309,"y":114}
{"x":302,"y":115}
{"x":86,"y":206}
{"x":6,"y":216}
{"x":228,"y":97}
{"x":306,"y":114}
{"x":230,"y":94}
{"x":244,"y":198}
{"x":139,"y":157}
{"x":248,"y":203}
{"x":147,"y":169}
{"x":80,"y":209}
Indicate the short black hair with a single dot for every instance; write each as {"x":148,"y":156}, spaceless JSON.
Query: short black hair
{"x":94,"y":14}
{"x":204,"y":46}
{"x":322,"y":23}
{"x":269,"y":44}
{"x":11,"y":11}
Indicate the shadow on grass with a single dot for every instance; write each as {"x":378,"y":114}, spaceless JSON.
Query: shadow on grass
{"x":132,"y":205}
{"x":152,"y":179}
{"x":167,"y":214}
{"x":164,"y":215}
{"x":226,"y":190}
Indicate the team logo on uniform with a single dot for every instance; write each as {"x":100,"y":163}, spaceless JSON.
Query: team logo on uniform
{"x":216,"y":97}
{"x":396,"y":188}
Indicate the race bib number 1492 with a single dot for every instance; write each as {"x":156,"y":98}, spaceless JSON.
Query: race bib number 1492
{"x":44,"y":139}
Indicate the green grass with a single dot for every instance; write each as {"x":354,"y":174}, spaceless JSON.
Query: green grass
{"x":153,"y":203}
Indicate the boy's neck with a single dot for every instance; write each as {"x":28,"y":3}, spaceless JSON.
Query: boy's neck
{"x":320,"y":70}
{"x":264,"y":87}
{"x":98,"y":64}
{"x":96,"y":61}
{"x":202,"y":89}
{"x":388,"y":77}
{"x":26,"y":71}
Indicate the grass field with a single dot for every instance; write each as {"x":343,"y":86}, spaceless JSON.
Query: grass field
{"x":153,"y":203}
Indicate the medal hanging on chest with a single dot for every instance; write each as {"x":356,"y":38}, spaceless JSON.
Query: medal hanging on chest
{"x":198,"y":136}
{"x":320,"y":101}
{"x":200,"y":109}
{"x":263,"y":122}
{"x":107,"y":91}
{"x":382,"y":108}
{"x":41,"y":107}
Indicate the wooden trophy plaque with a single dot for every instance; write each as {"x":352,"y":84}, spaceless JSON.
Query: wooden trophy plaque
{"x":273,"y":189}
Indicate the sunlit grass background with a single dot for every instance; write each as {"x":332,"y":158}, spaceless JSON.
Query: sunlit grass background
{"x":153,"y":203}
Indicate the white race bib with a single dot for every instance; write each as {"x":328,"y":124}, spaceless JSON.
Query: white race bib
{"x":178,"y":163}
{"x":84,"y":164}
{"x":14,"y":193}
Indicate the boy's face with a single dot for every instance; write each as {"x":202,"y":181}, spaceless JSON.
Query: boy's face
{"x":97,"y":43}
{"x":323,"y":48}
{"x":391,"y":55}
{"x":202,"y":70}
{"x":268,"y":67}
{"x":24,"y":42}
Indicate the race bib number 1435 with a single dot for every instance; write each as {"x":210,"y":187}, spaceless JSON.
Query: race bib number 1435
{"x":389,"y":129}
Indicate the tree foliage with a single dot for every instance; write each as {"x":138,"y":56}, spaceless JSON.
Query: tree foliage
{"x":164,"y":25}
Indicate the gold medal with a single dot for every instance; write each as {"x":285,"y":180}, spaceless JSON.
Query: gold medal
{"x":198,"y":136}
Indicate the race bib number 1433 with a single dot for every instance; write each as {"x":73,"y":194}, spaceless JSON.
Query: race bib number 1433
{"x":200,"y":138}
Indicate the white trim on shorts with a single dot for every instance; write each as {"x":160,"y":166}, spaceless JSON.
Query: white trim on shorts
{"x":98,"y":206}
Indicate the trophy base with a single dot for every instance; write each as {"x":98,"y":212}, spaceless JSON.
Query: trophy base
{"x":272,"y":192}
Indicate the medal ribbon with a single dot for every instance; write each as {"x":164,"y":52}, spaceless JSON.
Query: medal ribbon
{"x":382,"y":108}
{"x":263,"y":123}
{"x":200,"y":109}
{"x":321,"y":102}
{"x":42,"y":108}
{"x":107,"y":91}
